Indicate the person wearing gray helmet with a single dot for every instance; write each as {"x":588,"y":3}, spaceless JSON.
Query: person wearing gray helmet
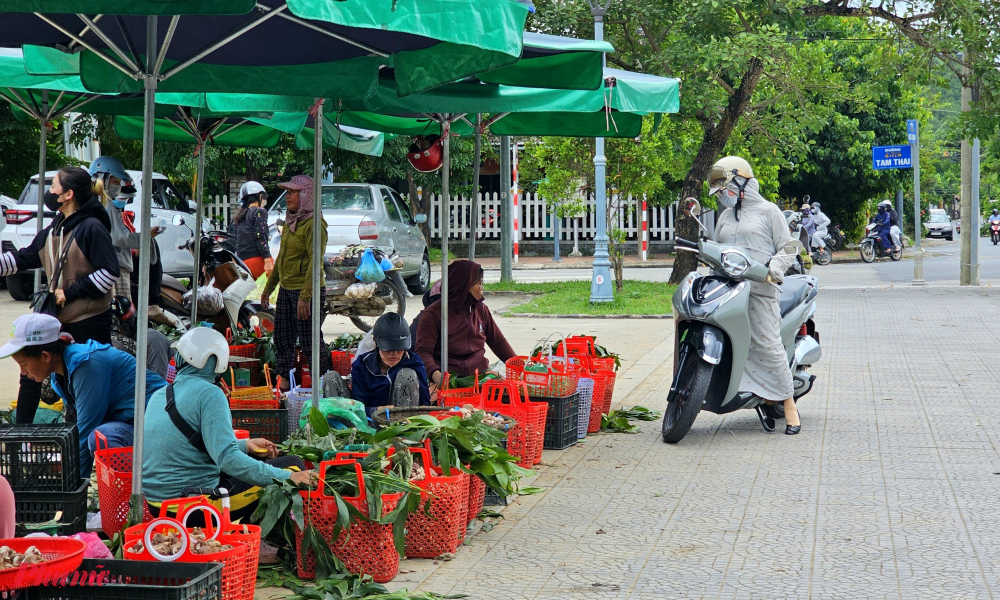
{"x":390,"y":375}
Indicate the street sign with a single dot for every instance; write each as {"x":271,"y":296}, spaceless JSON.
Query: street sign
{"x":911,"y":131}
{"x":891,"y":157}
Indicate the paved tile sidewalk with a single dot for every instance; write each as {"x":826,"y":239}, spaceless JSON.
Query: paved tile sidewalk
{"x":889,"y":492}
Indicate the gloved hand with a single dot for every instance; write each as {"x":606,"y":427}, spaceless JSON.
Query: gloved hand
{"x":776,"y":270}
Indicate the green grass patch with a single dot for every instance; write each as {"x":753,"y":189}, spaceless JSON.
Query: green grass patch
{"x":434,"y":254}
{"x":573,"y":298}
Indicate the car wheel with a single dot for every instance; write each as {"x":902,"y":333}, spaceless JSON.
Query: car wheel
{"x":421,"y":282}
{"x":21,"y":286}
{"x":950,"y":238}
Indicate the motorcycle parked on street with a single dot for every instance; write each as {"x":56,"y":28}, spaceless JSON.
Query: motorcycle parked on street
{"x":871,"y":246}
{"x":712,"y":334}
{"x":835,"y":239}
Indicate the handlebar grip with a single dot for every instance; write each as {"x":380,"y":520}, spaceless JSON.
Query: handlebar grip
{"x":686,"y":243}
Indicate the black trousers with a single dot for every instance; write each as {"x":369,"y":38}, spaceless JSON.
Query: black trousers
{"x":97,"y":328}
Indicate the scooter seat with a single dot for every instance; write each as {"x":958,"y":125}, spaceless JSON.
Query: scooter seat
{"x":172,"y":283}
{"x":794,"y":290}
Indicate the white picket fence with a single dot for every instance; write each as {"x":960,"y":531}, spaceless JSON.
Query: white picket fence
{"x":537,"y":222}
{"x":218,"y":209}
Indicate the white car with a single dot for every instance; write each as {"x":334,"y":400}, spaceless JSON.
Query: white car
{"x":21,"y":227}
{"x":371,"y":214}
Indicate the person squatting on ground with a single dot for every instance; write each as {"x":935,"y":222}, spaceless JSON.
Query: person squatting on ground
{"x":470,"y":328}
{"x":755,"y":224}
{"x":189,"y":440}
{"x":249,"y":227}
{"x":80,"y":263}
{"x":96,"y":380}
{"x":390,"y":375}
{"x":292,"y":275}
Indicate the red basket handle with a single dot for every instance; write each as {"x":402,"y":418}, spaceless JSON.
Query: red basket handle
{"x":362,"y":494}
{"x":494,"y":390}
{"x":98,"y":438}
{"x":229,"y":336}
{"x":184,"y":506}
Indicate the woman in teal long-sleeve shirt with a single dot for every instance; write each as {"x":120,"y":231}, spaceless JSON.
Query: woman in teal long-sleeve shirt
{"x":171,"y":463}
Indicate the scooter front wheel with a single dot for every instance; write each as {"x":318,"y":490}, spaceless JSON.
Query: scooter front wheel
{"x":867,"y":251}
{"x":690,"y":390}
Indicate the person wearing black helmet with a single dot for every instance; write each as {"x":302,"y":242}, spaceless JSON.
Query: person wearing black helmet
{"x":390,"y":375}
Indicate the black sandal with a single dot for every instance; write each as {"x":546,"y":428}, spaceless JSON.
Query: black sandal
{"x":765,"y":420}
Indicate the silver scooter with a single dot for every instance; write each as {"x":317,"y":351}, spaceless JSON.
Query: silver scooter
{"x":712,"y":335}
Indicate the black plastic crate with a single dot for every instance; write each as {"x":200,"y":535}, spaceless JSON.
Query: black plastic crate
{"x":136,"y":580}
{"x":270,"y":424}
{"x":40,"y":507}
{"x":561,"y":421}
{"x":40,"y":457}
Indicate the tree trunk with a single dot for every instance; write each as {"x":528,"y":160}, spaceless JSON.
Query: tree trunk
{"x":712,"y":144}
{"x":419,"y":205}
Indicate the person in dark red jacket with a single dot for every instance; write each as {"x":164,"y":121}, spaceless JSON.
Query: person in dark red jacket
{"x":470,"y":328}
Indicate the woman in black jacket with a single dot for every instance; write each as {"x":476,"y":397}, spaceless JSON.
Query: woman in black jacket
{"x":77,"y":246}
{"x":250,"y":229}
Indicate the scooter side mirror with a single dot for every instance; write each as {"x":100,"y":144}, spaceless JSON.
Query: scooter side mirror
{"x":794,"y":247}
{"x":420,"y":218}
{"x":178,"y":220}
{"x":692,"y":207}
{"x":280,"y":223}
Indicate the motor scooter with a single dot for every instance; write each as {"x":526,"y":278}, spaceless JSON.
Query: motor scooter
{"x":995,"y":232}
{"x":712,"y":333}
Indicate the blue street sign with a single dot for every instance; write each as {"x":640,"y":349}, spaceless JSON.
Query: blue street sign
{"x":891,"y":157}
{"x":911,"y":131}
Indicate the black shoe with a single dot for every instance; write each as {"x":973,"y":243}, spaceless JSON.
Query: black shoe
{"x":792,"y":429}
{"x":765,"y":420}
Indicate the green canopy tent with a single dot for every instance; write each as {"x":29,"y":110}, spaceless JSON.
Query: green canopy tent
{"x":210,"y":52}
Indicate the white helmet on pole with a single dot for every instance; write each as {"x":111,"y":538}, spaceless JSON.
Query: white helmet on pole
{"x":725,"y":170}
{"x":197,"y":345}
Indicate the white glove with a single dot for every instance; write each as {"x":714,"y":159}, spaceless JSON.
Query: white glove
{"x":776,"y":270}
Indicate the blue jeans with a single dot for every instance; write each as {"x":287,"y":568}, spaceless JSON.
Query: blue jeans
{"x":119,"y":436}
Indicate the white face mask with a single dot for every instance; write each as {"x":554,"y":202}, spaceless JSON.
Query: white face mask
{"x":728,"y":197}
{"x":113,"y":190}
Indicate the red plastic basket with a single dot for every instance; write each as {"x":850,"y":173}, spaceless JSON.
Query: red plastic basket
{"x":443,"y":529}
{"x":597,"y":403}
{"x":246,"y":534}
{"x":457,"y":396}
{"x":342,"y":361}
{"x":580,"y":344}
{"x":62,"y":555}
{"x":477,"y":497}
{"x":244,"y":350}
{"x":114,"y":485}
{"x":235,"y":561}
{"x":366,"y":547}
{"x":609,"y":389}
{"x":511,"y":398}
{"x":253,"y":403}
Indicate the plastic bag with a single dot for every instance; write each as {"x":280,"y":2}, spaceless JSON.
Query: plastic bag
{"x":370,"y":271}
{"x":94,"y":547}
{"x":210,"y":301}
{"x":340,"y":413}
{"x":386,"y":264}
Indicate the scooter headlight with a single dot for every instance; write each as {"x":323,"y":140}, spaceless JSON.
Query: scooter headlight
{"x":735,"y":262}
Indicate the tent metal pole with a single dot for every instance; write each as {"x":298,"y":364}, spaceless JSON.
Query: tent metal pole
{"x":145,"y":249}
{"x":111,"y":45}
{"x":133,"y":74}
{"x":506,"y":213}
{"x":477,"y":159}
{"x":445,"y":216}
{"x":42,"y":155}
{"x":171,"y":29}
{"x":199,"y":195}
{"x":317,"y":251}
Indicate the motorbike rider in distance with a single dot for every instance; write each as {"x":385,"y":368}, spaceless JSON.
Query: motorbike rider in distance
{"x":882,"y":220}
{"x":895,"y":233}
{"x":995,"y":217}
{"x":822,"y":222}
{"x":751,"y":221}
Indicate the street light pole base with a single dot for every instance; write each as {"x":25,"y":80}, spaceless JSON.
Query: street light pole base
{"x":918,"y":267}
{"x":601,"y":289}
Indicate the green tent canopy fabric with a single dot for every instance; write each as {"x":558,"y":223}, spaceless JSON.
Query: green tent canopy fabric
{"x":230,"y":132}
{"x":570,"y":124}
{"x":324,"y":47}
{"x":555,"y":62}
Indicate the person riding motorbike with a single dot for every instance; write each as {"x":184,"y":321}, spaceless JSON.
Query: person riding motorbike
{"x":189,"y":437}
{"x":822,"y":222}
{"x":758,"y":226}
{"x":895,"y":233}
{"x":995,"y":217}
{"x":882,"y":221}
{"x":807,"y":221}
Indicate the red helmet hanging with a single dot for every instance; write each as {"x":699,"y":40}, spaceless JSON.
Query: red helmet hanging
{"x":426,"y":154}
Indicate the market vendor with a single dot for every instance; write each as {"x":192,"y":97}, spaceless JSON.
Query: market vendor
{"x":96,"y":381}
{"x":189,"y":440}
{"x":390,"y":375}
{"x":470,"y":328}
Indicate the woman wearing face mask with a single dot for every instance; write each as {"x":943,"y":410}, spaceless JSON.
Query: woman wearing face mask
{"x":78,"y":244}
{"x":112,"y":175}
{"x":759,"y":227}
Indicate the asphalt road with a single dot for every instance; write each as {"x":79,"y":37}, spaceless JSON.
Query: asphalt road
{"x":941,"y":267}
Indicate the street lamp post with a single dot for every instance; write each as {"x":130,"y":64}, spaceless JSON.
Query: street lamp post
{"x":600,"y":283}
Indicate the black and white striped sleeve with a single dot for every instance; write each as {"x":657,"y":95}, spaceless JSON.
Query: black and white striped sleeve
{"x":8,"y":264}
{"x":103,"y":280}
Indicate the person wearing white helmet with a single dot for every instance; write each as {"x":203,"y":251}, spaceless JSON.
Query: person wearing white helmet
{"x":249,"y":227}
{"x":822,"y":223}
{"x":752,"y":222}
{"x":96,"y":381}
{"x":895,"y":233}
{"x":189,"y":440}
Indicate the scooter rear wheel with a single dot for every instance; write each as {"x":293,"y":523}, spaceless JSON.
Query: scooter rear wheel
{"x":823,"y":256}
{"x":690,"y":392}
{"x":896,"y":254}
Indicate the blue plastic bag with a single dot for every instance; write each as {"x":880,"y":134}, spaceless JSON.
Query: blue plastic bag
{"x":386,"y":264}
{"x":369,"y":270}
